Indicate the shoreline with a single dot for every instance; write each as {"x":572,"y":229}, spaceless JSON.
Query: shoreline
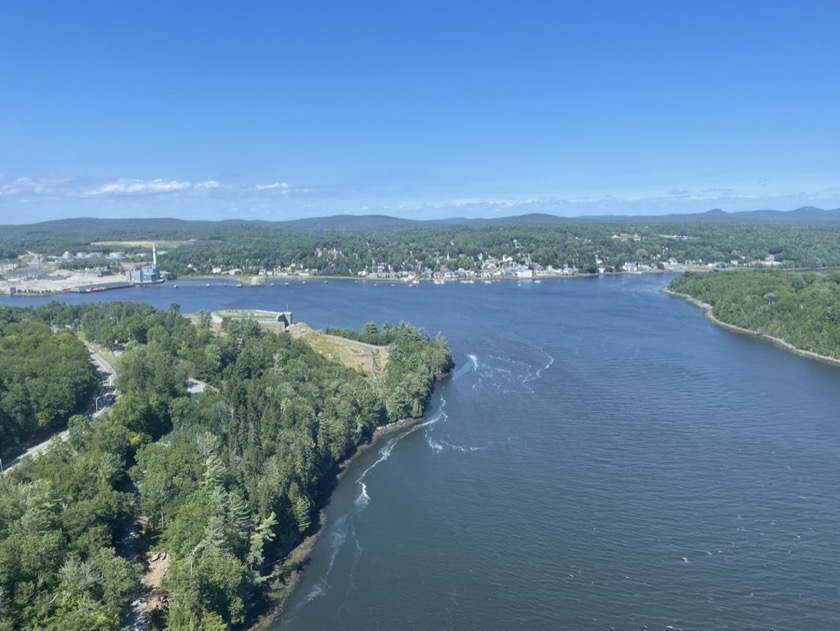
{"x":267,"y":280}
{"x":84,"y":284}
{"x":707,"y":310}
{"x":287,"y":572}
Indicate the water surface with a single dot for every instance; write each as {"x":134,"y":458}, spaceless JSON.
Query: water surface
{"x":602,"y":458}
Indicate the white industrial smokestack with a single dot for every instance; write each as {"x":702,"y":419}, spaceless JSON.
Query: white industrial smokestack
{"x":154,"y":255}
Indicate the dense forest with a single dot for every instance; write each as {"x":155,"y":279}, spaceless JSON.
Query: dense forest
{"x":368,"y":244}
{"x":803,"y":309}
{"x":411,"y":374}
{"x":220,"y":482}
{"x":45,"y":377}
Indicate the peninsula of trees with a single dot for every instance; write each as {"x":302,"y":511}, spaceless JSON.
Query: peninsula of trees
{"x":800,"y":309}
{"x":219,"y":484}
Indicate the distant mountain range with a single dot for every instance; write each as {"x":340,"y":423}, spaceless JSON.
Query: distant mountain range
{"x":804,"y":215}
{"x":367,"y":223}
{"x":167,"y":228}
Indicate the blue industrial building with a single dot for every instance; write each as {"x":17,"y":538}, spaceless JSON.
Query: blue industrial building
{"x":146,"y":275}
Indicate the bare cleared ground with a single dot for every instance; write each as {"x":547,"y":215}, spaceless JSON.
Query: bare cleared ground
{"x":157,"y":564}
{"x":58,"y":282}
{"x":370,"y":360}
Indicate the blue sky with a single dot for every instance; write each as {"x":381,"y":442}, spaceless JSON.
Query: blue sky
{"x":279,"y":110}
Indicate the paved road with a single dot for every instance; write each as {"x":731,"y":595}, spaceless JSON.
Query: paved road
{"x":104,"y":400}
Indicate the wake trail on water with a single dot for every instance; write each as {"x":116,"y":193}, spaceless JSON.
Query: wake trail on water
{"x":344,"y":527}
{"x":439,"y":445}
{"x":471,"y":365}
{"x":539,"y":372}
{"x":363,"y":499}
{"x":506,"y":375}
{"x":541,"y":349}
{"x":337,"y":538}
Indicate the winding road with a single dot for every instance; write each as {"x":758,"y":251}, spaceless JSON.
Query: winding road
{"x":104,"y":400}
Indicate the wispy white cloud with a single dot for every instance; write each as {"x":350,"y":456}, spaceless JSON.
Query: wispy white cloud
{"x":280,"y":187}
{"x":272,"y":199}
{"x":137,"y":187}
{"x":131,"y":186}
{"x":28,"y":185}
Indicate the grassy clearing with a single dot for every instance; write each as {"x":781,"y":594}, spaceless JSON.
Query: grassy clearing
{"x":247,"y":314}
{"x":370,"y":360}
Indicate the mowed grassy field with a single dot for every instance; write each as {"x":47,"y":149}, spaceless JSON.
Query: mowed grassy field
{"x":370,"y":360}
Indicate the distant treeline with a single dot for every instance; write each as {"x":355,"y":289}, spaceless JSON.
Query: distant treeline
{"x":803,"y":309}
{"x":585,"y":247}
{"x":225,"y":481}
{"x":345,"y":248}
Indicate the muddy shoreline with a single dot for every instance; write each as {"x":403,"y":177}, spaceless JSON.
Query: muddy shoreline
{"x":708,"y":311}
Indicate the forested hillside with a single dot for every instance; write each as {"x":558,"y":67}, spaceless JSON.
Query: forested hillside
{"x":414,"y":362}
{"x":584,"y":247}
{"x":350,"y":246}
{"x":802,"y":309}
{"x":223,"y":481}
{"x":45,"y":377}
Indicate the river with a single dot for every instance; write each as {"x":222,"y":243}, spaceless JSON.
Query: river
{"x":603,"y":457}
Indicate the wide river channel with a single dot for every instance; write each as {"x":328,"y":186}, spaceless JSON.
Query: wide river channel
{"x":603,"y":457}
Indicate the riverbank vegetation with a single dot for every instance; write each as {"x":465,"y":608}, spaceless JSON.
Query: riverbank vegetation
{"x":802,"y":309}
{"x":222,"y":484}
{"x":414,"y":362}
